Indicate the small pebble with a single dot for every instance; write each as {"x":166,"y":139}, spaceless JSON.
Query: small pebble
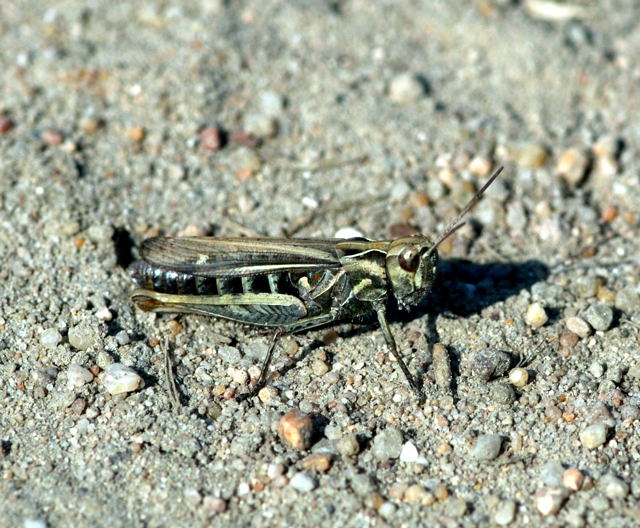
{"x":260,"y":125}
{"x":296,"y":430}
{"x":78,"y":406}
{"x":302,"y":482}
{"x":441,"y":366}
{"x":271,"y":103}
{"x":487,"y":447}
{"x":362,"y":484}
{"x":268,"y":394}
{"x":585,"y":286}
{"x":536,"y":315}
{"x":594,"y":435}
{"x":480,"y":166}
{"x":409,"y":453}
{"x":572,"y":165}
{"x":568,"y":340}
{"x":596,"y":369}
{"x":549,"y":500}
{"x":630,"y":412}
{"x":78,"y":376}
{"x":406,"y":88}
{"x":123,"y":338}
{"x":348,"y":232}
{"x":578,"y":326}
{"x":572,"y":479}
{"x":34,"y":523}
{"x":245,"y":158}
{"x":504,"y":513}
{"x":239,"y":376}
{"x":516,"y":216}
{"x":599,"y":316}
{"x":387,"y":444}
{"x":6,"y":124}
{"x":387,"y":510}
{"x":211,"y":138}
{"x":320,"y":368}
{"x":551,"y":474}
{"x":502,"y":393}
{"x":489,"y":363}
{"x":416,"y":494}
{"x":82,"y":336}
{"x":606,"y":294}
{"x":628,"y":299}
{"x":119,"y":379}
{"x":213,"y":505}
{"x":613,"y":487}
{"x":455,"y":508}
{"x":531,"y":156}
{"x":348,"y":445}
{"x":52,"y":137}
{"x":50,"y":338}
{"x":519,"y":377}
{"x":318,"y":462}
{"x":136,"y":134}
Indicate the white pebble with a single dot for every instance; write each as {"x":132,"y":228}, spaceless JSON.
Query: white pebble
{"x":409,"y":453}
{"x":104,"y":314}
{"x":549,"y":500}
{"x":50,"y":338}
{"x":536,"y":315}
{"x":302,"y":482}
{"x":406,"y":88}
{"x":119,"y":378}
{"x":78,"y":376}
{"x":594,"y":436}
{"x":239,"y":376}
{"x":578,"y":326}
{"x":348,"y":232}
{"x":519,"y":377}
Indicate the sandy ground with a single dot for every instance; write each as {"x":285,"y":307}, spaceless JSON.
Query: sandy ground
{"x":121,"y":120}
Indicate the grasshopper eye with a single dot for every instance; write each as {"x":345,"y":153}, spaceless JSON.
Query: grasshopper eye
{"x":409,"y":259}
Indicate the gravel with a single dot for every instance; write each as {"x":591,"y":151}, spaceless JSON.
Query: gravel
{"x":126,"y":120}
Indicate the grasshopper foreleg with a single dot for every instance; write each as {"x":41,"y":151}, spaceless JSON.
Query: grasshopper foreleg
{"x":391,"y":343}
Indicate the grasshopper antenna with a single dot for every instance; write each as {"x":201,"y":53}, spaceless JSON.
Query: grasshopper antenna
{"x":457,"y":222}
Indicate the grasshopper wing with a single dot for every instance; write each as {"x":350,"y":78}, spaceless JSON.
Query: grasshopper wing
{"x":237,"y":257}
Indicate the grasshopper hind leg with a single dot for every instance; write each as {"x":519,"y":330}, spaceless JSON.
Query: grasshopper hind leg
{"x":264,"y":371}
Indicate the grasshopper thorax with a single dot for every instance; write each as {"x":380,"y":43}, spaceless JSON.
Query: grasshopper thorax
{"x":411,"y":268}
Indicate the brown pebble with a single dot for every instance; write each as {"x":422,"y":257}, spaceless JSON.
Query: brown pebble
{"x":296,"y":429}
{"x":419,"y":199}
{"x":441,"y":366}
{"x":210,"y":138}
{"x":6,"y":124}
{"x":136,"y":134}
{"x":318,"y":462}
{"x":569,"y":339}
{"x":78,"y":406}
{"x":572,"y":165}
{"x":441,"y":492}
{"x":175,"y":327}
{"x":609,"y":213}
{"x":572,"y":479}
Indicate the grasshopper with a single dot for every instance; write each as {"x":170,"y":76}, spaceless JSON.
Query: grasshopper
{"x":290,"y":284}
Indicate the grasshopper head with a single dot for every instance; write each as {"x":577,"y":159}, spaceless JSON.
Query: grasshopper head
{"x":411,"y":268}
